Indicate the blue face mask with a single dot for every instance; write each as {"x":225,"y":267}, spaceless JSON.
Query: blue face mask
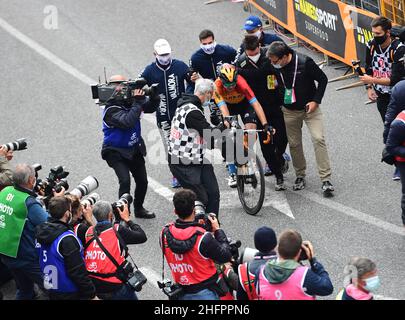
{"x":372,"y":284}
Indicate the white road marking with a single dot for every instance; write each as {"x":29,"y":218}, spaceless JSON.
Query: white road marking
{"x":165,"y":192}
{"x":152,"y":276}
{"x":381,"y":224}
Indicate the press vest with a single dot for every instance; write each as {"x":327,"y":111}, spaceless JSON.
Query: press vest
{"x":191,"y":267}
{"x":401,"y":117}
{"x":98,"y":264}
{"x":291,"y":289}
{"x":186,"y":144}
{"x":53,"y":267}
{"x":13,"y":214}
{"x":121,"y":138}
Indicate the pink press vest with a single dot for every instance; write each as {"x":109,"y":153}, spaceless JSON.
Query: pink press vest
{"x":292,"y":289}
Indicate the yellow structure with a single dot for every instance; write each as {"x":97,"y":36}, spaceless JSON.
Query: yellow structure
{"x":394,"y":10}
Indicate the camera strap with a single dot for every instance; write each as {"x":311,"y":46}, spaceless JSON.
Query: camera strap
{"x":127,"y":254}
{"x":163,"y":253}
{"x":248,"y":278}
{"x":107,"y":253}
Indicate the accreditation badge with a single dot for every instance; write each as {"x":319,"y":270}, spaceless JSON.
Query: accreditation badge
{"x":289,"y":96}
{"x":271,"y":82}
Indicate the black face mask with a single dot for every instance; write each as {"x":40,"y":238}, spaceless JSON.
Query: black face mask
{"x":380,"y":40}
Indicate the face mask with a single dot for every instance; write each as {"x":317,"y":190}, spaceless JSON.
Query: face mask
{"x":255,"y":58}
{"x":372,"y":284}
{"x":164,"y":60}
{"x":209,"y":48}
{"x":380,"y":40}
{"x":277,"y":66}
{"x":258,"y":34}
{"x":207,"y":102}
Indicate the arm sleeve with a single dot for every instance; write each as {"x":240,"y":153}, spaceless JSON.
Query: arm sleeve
{"x":396,"y":137}
{"x":6,"y":173}
{"x":151,"y":104}
{"x":132,"y":235}
{"x":36,"y":213}
{"x":317,"y":281}
{"x":216,"y":248}
{"x":243,"y":87}
{"x":398,"y":67}
{"x":75,"y":267}
{"x":124,"y":119}
{"x":319,"y":76}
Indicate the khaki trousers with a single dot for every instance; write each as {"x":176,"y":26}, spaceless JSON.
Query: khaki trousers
{"x":294,"y":121}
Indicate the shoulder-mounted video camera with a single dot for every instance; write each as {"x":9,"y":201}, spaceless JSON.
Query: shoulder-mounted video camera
{"x":121,"y":91}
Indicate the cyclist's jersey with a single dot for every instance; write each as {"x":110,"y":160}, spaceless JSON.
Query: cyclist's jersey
{"x":242,"y":91}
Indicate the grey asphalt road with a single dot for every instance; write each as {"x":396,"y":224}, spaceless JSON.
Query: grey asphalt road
{"x":54,"y":110}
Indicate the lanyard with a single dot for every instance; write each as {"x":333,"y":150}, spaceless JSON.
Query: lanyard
{"x":295,"y":73}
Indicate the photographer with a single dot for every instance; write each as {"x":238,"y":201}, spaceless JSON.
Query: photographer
{"x":6,"y":172}
{"x":110,"y":281}
{"x":82,"y":217}
{"x":191,"y":251}
{"x":265,"y":242}
{"x":187,"y":146}
{"x":123,"y":146}
{"x":286,"y":278}
{"x":17,"y":238}
{"x":59,"y":247}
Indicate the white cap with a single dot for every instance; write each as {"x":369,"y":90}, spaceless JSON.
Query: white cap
{"x":162,"y":47}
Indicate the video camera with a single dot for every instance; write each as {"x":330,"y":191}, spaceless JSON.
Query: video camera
{"x":125,"y":199}
{"x":121,"y":91}
{"x":17,"y":145}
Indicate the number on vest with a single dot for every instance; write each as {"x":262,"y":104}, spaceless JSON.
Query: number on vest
{"x":10,"y":197}
{"x":278,"y":294}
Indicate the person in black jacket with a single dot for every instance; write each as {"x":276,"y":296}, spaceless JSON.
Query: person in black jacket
{"x":123,"y":147}
{"x":297,"y":74}
{"x":115,"y":236}
{"x":260,"y":75}
{"x":396,"y":105}
{"x":61,"y":249}
{"x":192,"y":252}
{"x":187,"y":146}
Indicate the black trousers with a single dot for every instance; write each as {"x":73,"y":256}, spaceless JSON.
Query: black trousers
{"x":401,"y":168}
{"x":122,"y":168}
{"x":273,"y":152}
{"x":383,"y":101}
{"x":202,"y":180}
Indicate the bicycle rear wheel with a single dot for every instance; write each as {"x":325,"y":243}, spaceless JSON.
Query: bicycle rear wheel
{"x":251,"y":185}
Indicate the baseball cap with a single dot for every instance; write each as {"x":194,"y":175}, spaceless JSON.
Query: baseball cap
{"x":162,"y":47}
{"x":253,"y":22}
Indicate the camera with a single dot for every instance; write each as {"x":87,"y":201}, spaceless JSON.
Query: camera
{"x":90,"y":200}
{"x":172,"y":291}
{"x":303,"y":255}
{"x":86,"y":186}
{"x":201,"y":217}
{"x":36,"y":167}
{"x":126,"y":199}
{"x":17,"y":145}
{"x":55,"y":181}
{"x":121,"y":92}
{"x":136,"y":280}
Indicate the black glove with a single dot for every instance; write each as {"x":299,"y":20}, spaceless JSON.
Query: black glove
{"x":267,"y":129}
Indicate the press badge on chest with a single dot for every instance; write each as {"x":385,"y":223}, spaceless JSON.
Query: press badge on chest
{"x":271,"y":82}
{"x":289,"y":96}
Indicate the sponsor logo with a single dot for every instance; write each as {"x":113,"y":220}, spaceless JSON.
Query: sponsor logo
{"x":316,"y":14}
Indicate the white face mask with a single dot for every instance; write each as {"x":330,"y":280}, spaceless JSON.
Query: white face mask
{"x":207,"y":101}
{"x":209,"y":48}
{"x":255,"y":58}
{"x":277,"y":66}
{"x":258,"y":34}
{"x":164,"y":60}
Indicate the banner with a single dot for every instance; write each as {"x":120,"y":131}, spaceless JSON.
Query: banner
{"x":338,"y":30}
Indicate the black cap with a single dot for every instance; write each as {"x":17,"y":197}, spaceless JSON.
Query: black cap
{"x":265,"y":239}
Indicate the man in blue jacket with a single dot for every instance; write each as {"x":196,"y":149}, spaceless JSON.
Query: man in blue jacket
{"x":396,"y":105}
{"x":20,"y":213}
{"x":172,"y":76}
{"x":396,"y":146}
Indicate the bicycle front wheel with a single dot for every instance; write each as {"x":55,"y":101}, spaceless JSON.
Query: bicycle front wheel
{"x":251,"y":185}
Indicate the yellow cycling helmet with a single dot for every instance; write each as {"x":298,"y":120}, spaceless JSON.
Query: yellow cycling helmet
{"x":228,"y":75}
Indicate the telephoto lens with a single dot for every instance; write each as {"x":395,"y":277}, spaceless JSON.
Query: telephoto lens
{"x":90,"y":200}
{"x":85,"y":187}
{"x":126,"y":199}
{"x":16,"y":145}
{"x":199,"y":208}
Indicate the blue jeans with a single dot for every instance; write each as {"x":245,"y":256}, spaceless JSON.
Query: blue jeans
{"x":205,"y":294}
{"x":125,"y":293}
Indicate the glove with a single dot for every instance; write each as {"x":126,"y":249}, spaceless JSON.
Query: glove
{"x":267,"y":128}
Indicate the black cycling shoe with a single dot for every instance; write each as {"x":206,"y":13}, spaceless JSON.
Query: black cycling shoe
{"x":144,"y":214}
{"x":327,"y":189}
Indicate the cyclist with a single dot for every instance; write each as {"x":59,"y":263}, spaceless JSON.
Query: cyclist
{"x":233,"y":96}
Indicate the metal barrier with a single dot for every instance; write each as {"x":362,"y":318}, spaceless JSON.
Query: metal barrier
{"x":369,"y":5}
{"x":394,"y":10}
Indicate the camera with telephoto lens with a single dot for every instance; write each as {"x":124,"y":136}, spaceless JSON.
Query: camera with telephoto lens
{"x":126,"y":199}
{"x":85,"y":187}
{"x":90,"y":200}
{"x":172,"y":291}
{"x":17,"y":145}
{"x":122,"y":91}
{"x":55,"y":181}
{"x":201,"y":217}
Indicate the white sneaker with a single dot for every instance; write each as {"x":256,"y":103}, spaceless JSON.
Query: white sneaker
{"x":232,"y":181}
